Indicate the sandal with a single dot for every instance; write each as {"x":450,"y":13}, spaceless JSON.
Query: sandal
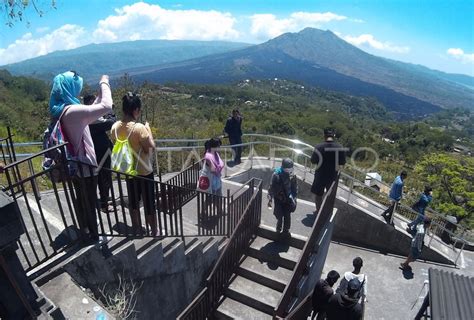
{"x":107,"y":209}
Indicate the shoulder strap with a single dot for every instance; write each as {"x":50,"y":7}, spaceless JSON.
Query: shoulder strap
{"x":131,"y":130}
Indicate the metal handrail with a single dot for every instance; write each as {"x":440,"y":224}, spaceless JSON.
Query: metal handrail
{"x":323,"y":216}
{"x":206,"y":301}
{"x":299,"y":152}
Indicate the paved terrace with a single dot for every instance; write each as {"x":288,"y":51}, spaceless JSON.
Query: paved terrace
{"x":391,"y":292}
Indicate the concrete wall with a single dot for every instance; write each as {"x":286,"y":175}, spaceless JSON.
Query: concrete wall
{"x":360,"y":227}
{"x":168,"y":282}
{"x":317,"y":261}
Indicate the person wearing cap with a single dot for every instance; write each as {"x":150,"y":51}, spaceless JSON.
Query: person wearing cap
{"x":321,"y":294}
{"x":345,"y":306}
{"x":233,"y":128}
{"x":395,"y":195}
{"x":357,"y":263}
{"x":420,"y":206}
{"x":416,"y":243}
{"x":284,"y":189}
{"x":327,"y":156}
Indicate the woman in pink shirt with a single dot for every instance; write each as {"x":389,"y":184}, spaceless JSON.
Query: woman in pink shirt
{"x":215,"y":164}
{"x":75,"y":119}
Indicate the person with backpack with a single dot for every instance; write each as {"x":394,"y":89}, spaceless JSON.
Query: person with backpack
{"x":322,"y":293}
{"x":357,"y":263}
{"x":102,"y":146}
{"x":417,"y":243}
{"x":345,"y":305}
{"x":74,"y":119}
{"x":284,"y":189}
{"x":420,"y":207}
{"x":132,"y":154}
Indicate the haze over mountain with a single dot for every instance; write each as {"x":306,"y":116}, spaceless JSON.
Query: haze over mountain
{"x":311,"y":56}
{"x":321,"y":58}
{"x":93,"y":60}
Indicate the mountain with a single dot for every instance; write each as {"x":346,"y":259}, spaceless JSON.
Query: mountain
{"x":321,"y":58}
{"x":93,"y":60}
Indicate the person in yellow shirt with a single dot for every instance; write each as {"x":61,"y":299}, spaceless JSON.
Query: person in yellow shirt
{"x":141,"y":140}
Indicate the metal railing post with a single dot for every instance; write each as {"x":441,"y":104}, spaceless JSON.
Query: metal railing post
{"x":304,"y":169}
{"x":431,"y":237}
{"x":251,"y":155}
{"x":460,"y":251}
{"x":351,"y":189}
{"x":225,"y":162}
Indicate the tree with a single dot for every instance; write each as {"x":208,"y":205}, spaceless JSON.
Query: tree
{"x":15,"y":9}
{"x":452,"y":179}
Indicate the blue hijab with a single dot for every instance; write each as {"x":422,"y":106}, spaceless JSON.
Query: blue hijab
{"x":66,"y":88}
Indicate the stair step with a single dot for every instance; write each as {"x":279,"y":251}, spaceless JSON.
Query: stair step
{"x":223,"y":243}
{"x":211,"y":244}
{"x":64,"y":292}
{"x":207,"y":241}
{"x":275,"y":252}
{"x":193,"y":245}
{"x":270,"y":271}
{"x":190,"y":243}
{"x":270,"y":233}
{"x":143,"y":244}
{"x":169,"y":244}
{"x":261,"y":279}
{"x":111,"y":247}
{"x":232,"y":309}
{"x":253,"y":294}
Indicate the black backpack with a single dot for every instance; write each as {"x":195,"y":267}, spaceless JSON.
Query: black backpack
{"x":343,"y":287}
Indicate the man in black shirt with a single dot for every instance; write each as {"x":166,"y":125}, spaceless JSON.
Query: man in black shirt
{"x":102,"y":147}
{"x":233,"y":128}
{"x":345,"y":306}
{"x":328,"y":156}
{"x":322,"y":293}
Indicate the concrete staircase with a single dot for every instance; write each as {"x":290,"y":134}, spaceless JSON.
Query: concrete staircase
{"x":257,"y":285}
{"x":169,"y":272}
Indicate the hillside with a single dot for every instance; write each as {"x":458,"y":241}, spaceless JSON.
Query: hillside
{"x":23,"y":105}
{"x":261,"y":62}
{"x":111,"y":58}
{"x":321,"y":58}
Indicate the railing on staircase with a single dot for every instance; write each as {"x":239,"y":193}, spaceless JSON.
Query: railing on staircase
{"x":324,"y":215}
{"x":277,"y":146}
{"x":50,"y":217}
{"x":206,"y":302}
{"x":46,"y":234}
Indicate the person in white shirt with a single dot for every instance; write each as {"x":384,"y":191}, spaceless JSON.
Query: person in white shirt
{"x":357,"y":263}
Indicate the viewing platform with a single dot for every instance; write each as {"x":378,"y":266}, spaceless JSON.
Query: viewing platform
{"x":196,"y":229}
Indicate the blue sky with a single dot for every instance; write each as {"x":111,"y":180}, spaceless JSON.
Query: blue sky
{"x":437,"y":34}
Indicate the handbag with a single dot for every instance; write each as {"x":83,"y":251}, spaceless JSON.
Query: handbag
{"x":204,"y":181}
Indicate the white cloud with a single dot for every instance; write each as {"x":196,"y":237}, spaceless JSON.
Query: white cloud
{"x":146,"y":21}
{"x":368,"y":40}
{"x":266,"y":26}
{"x":66,"y":37}
{"x":42,"y":29}
{"x":459,"y":54}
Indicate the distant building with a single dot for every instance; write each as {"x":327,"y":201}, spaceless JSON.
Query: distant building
{"x":388,"y":140}
{"x":374,"y":180}
{"x":461,"y":149}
